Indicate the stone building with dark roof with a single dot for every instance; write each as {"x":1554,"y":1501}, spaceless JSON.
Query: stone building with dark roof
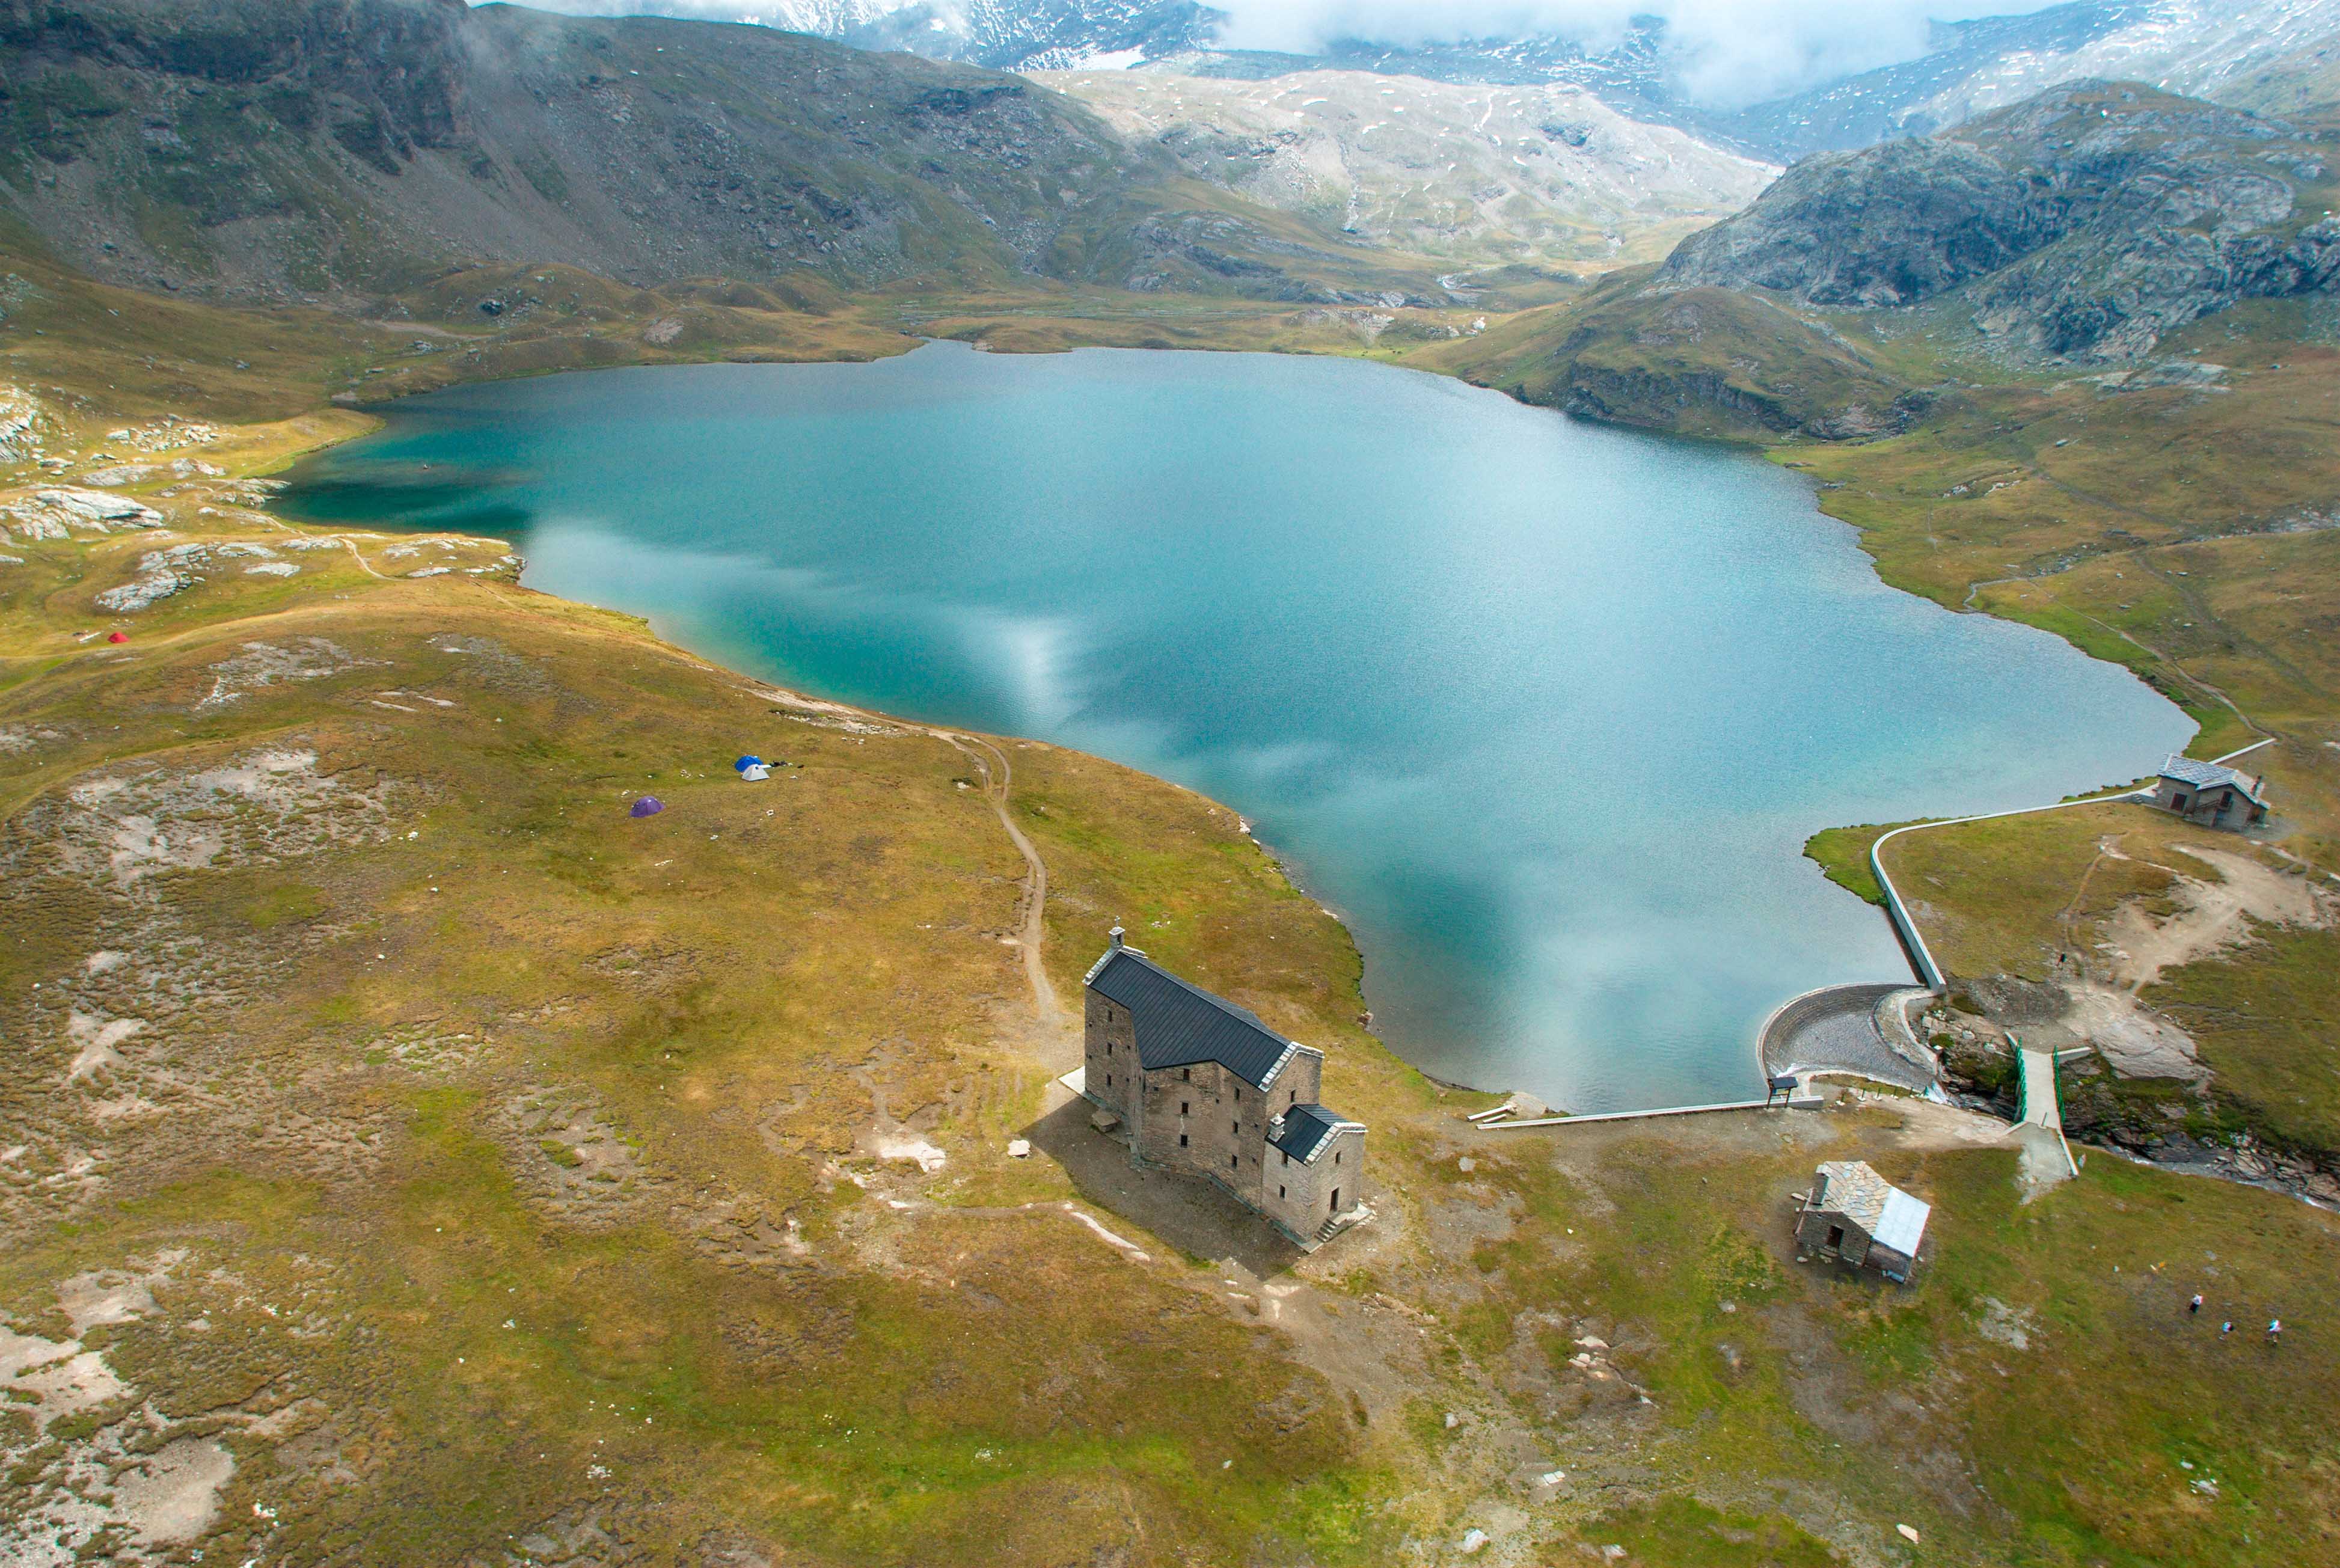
{"x":2210,"y":793}
{"x":1197,"y":1084}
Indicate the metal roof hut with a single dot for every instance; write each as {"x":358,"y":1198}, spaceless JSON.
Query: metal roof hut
{"x":1858,"y":1218}
{"x":2211,"y":793}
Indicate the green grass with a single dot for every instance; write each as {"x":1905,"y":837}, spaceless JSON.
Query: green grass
{"x":2009,"y":895}
{"x":347,"y":1141}
{"x":2264,"y":1021}
{"x":1843,"y":855}
{"x":831,"y":1406}
{"x":2065,"y":1451}
{"x":1683,"y":1533}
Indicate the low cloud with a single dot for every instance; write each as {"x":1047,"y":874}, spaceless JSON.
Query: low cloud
{"x":1724,"y":52}
{"x":1721,"y":52}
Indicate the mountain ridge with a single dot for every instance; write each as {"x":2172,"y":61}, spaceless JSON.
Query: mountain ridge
{"x":1967,"y":67}
{"x":2085,"y":222}
{"x":276,"y":151}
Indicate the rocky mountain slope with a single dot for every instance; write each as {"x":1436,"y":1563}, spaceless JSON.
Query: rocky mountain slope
{"x":2197,"y":47}
{"x":2201,"y":47}
{"x":276,"y":150}
{"x":1701,"y":362}
{"x":2079,"y":228}
{"x":1539,"y":173}
{"x":2304,"y":84}
{"x":2085,"y":222}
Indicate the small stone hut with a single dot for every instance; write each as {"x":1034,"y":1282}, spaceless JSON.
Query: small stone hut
{"x":2210,"y":793}
{"x":1168,"y":1065}
{"x":1856,"y":1216}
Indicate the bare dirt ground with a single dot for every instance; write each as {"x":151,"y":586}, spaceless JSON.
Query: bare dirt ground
{"x":2212,"y":916}
{"x":2141,"y":939}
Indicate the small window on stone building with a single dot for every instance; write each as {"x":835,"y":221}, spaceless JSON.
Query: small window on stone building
{"x":1279,"y":1189}
{"x":1184,"y":1105}
{"x":1231,"y":1161}
{"x":1287,"y":1159}
{"x":1235,"y":1126}
{"x":1108,"y":1080}
{"x":1294,"y":1099}
{"x":1186,"y":1075}
{"x":1336,"y":1157}
{"x":1336,"y":1205}
{"x":1182,"y":1140}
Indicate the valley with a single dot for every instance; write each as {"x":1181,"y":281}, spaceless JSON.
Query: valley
{"x":1480,"y":174}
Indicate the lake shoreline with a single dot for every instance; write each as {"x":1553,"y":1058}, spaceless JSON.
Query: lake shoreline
{"x":645,"y":560}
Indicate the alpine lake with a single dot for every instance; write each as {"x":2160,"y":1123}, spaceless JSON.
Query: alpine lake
{"x":1544,"y":711}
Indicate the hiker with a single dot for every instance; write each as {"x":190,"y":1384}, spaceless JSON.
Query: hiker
{"x":2224,"y":1329}
{"x":2275,"y":1331}
{"x":2193,"y":1307}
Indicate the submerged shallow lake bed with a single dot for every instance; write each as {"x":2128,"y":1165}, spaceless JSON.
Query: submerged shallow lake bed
{"x":1544,"y":711}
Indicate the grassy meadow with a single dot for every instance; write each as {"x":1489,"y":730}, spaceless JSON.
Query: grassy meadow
{"x":409,"y":1157}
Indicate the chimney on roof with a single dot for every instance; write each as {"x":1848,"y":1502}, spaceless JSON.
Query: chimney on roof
{"x":1116,"y":939}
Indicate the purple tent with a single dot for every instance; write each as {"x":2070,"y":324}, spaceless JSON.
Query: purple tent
{"x":648,"y":806}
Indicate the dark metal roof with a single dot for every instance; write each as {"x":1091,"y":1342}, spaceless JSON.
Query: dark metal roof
{"x":1305,"y":1129}
{"x":1179,"y":1024}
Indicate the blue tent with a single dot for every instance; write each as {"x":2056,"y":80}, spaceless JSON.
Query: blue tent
{"x":648,"y":806}
{"x":747,"y":762}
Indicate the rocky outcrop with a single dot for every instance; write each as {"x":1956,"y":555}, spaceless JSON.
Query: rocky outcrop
{"x":2084,"y":223}
{"x":1696,"y":361}
{"x":1892,"y":226}
{"x":55,"y":513}
{"x":1708,"y":401}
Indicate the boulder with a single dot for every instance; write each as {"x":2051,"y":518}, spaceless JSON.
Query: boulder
{"x":49,"y":513}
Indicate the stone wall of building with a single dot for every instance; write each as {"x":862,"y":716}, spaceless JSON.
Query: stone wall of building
{"x":1301,"y":1083}
{"x":1205,"y":1119}
{"x":2220,"y":805}
{"x":1109,"y":1060}
{"x":1812,"y":1228}
{"x":1302,"y":1195}
{"x":1183,"y":1122}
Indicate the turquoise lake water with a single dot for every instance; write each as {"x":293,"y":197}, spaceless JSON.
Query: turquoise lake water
{"x":1544,"y":711}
